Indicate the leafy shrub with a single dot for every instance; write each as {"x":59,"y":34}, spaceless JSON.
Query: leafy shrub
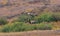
{"x":19,"y":26}
{"x":3,"y":21}
{"x":45,"y":17}
{"x":25,"y":18}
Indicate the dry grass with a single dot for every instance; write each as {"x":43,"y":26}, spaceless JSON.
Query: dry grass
{"x":32,"y":33}
{"x":56,"y":25}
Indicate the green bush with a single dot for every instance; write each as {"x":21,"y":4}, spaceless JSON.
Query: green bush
{"x":3,"y":21}
{"x":25,"y":18}
{"x":20,"y":26}
{"x":45,"y":17}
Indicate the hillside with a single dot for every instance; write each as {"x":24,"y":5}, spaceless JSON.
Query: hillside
{"x":25,"y":16}
{"x":12,"y":8}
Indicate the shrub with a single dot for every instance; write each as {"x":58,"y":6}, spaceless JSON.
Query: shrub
{"x":19,"y":26}
{"x":45,"y":17}
{"x":25,"y":18}
{"x":3,"y":21}
{"x":22,"y":18}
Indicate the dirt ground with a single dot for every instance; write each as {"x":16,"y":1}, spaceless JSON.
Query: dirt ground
{"x":33,"y":33}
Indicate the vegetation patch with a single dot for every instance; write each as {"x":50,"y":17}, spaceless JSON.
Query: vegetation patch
{"x":3,"y":21}
{"x":20,"y":26}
